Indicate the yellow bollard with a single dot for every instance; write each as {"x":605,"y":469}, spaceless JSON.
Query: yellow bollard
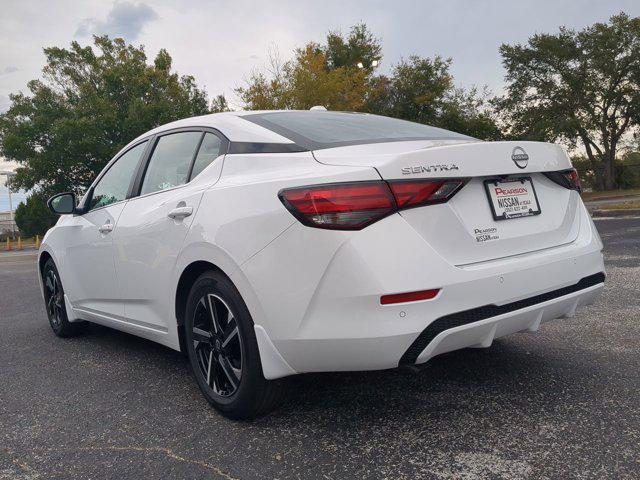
{"x":19,"y":243}
{"x":37,"y":242}
{"x":8,"y":244}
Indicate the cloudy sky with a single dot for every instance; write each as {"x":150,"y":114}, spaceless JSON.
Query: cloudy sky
{"x":220,"y":42}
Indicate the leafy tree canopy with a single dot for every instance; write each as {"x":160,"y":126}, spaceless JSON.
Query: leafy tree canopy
{"x":304,"y":82}
{"x":33,"y":217}
{"x":422,"y":90}
{"x":219,"y":104}
{"x":418,"y":89}
{"x":359,"y":47}
{"x":577,"y":86}
{"x":90,"y":103}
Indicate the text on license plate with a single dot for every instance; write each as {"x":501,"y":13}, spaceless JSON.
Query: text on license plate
{"x":512,"y":198}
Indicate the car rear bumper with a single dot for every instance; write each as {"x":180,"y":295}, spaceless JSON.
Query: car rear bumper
{"x":325,"y":314}
{"x":479,"y":326}
{"x":460,"y":330}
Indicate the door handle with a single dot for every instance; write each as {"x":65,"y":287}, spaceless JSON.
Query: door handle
{"x":180,"y":212}
{"x":106,"y":228}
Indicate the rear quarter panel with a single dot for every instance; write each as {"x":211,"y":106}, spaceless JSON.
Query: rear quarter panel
{"x":241,"y":214}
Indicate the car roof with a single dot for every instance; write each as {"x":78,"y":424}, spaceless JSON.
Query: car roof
{"x":257,"y":135}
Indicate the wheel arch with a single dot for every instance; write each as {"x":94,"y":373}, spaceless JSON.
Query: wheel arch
{"x":43,"y":257}
{"x":273,"y":364}
{"x":187,"y":278}
{"x":42,"y":260}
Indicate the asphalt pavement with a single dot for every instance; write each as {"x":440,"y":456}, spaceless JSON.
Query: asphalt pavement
{"x":562,"y":403}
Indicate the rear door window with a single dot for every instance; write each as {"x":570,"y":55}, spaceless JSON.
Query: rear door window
{"x":170,"y":161}
{"x":210,"y":149}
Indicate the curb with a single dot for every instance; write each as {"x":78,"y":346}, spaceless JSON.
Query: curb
{"x":618,"y":212}
{"x":623,"y":198}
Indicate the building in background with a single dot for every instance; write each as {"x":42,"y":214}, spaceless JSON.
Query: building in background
{"x":9,"y":200}
{"x":7,"y":224}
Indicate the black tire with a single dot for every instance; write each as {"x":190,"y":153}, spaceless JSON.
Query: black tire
{"x":55,"y":304}
{"x":224,"y":352}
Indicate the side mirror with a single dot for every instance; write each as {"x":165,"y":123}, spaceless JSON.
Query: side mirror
{"x":62,"y":203}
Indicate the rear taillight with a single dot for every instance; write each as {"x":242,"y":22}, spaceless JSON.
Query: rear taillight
{"x":574,"y":179}
{"x":415,"y":193}
{"x":566,"y":178}
{"x":340,"y":206}
{"x":353,"y":206}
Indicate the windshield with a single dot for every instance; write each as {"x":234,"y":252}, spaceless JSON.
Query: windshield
{"x":317,"y":129}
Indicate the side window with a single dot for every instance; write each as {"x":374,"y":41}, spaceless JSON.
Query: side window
{"x":114,"y":185}
{"x":209,"y":151}
{"x":170,"y":161}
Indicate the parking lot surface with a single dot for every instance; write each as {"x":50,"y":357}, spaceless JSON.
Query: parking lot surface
{"x":562,"y":403}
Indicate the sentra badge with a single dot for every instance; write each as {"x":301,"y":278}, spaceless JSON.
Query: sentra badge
{"x":429,"y":168}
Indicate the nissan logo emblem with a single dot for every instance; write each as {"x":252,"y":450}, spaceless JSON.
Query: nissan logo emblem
{"x":520,"y":157}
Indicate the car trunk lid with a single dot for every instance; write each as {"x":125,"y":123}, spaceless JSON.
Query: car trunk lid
{"x":465,"y":229}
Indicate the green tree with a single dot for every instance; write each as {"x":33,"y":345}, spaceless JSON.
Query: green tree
{"x":422,"y":90}
{"x":91,"y":102}
{"x":219,"y":104}
{"x":418,"y":89}
{"x":305,"y":81}
{"x":577,"y":86}
{"x":33,"y":217}
{"x":359,"y":47}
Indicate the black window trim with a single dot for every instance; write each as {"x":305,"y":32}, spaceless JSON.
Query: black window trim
{"x":136,"y":181}
{"x":262,"y":147}
{"x":83,"y":208}
{"x":142,"y":168}
{"x":195,"y":155}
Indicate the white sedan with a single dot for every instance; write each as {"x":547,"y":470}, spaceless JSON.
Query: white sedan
{"x":266,"y":244}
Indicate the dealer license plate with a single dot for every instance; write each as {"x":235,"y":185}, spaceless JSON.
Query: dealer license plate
{"x":512,"y":198}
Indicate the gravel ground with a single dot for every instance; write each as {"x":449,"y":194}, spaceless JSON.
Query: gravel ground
{"x":562,"y":403}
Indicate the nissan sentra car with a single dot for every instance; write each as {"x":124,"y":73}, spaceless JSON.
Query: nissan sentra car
{"x":268,"y":244}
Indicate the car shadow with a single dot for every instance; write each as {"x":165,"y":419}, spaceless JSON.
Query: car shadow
{"x":442,"y":385}
{"x":508,"y":371}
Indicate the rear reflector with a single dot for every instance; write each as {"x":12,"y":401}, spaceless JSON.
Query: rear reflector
{"x":409,"y":297}
{"x":353,"y":206}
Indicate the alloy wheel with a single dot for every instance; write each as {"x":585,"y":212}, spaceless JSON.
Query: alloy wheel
{"x":218,"y":345}
{"x":55,"y":301}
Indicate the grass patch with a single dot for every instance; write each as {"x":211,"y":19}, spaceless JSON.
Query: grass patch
{"x":621,"y":206}
{"x":609,"y":194}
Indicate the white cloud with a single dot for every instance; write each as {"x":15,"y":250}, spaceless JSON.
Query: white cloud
{"x":125,"y":20}
{"x":8,"y":70}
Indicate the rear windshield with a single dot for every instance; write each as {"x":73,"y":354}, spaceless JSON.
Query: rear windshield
{"x":314,"y":130}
